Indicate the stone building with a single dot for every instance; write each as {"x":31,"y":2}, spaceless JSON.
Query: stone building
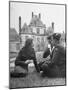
{"x":14,"y":42}
{"x":35,"y":30}
{"x":63,"y":39}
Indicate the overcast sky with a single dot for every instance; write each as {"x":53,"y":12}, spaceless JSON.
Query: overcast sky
{"x":49,"y":13}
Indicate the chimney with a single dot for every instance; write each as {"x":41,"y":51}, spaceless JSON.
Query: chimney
{"x":19,"y":25}
{"x":20,"y":32}
{"x":32,"y":14}
{"x":53,"y":26}
{"x":39,"y":15}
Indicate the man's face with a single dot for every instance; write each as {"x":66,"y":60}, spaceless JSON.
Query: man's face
{"x":52,"y":41}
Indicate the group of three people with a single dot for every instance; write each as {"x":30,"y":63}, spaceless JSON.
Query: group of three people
{"x":54,"y":67}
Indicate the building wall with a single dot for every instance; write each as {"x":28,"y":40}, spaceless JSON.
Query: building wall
{"x":14,"y":46}
{"x":34,"y":30}
{"x":37,"y":31}
{"x":40,"y":41}
{"x":41,"y":30}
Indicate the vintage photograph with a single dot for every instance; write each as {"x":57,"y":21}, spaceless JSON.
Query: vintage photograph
{"x":37,"y":44}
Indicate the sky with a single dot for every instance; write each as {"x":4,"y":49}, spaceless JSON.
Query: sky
{"x":49,"y":13}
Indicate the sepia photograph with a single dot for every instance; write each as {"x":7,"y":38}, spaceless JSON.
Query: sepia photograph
{"x":37,"y":44}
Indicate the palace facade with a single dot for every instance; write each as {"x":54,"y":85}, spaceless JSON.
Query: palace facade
{"x":36,"y":30}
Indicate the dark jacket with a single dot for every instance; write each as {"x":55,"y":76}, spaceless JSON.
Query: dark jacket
{"x":46,"y":53}
{"x":58,"y":56}
{"x":58,"y":61}
{"x":27,"y":54}
{"x":56,"y":67}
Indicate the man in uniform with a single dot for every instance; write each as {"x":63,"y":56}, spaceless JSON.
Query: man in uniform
{"x":56,"y":67}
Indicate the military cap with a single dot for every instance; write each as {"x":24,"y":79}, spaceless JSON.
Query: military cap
{"x":56,"y":36}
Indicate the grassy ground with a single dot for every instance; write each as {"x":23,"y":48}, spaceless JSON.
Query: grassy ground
{"x":34,"y":79}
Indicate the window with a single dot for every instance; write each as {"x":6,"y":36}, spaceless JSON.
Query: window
{"x":38,"y":31}
{"x":17,"y":46}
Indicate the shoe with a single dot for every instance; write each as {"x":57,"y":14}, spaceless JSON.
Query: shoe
{"x":17,"y":75}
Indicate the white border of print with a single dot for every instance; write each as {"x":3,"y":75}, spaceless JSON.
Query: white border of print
{"x":4,"y":39}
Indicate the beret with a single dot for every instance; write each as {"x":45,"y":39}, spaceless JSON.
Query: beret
{"x":56,"y":36}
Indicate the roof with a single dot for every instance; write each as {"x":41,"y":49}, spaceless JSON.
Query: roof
{"x":13,"y":35}
{"x":24,"y":28}
{"x":49,"y":30}
{"x":35,"y":21}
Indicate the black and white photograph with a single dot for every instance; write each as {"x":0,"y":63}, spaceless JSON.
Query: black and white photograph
{"x":37,"y":44}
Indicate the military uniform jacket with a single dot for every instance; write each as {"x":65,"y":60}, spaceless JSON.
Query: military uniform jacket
{"x":58,"y":56}
{"x":57,"y":62}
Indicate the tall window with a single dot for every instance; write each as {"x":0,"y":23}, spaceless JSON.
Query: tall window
{"x":38,"y":44}
{"x":38,"y":31}
{"x":17,"y":46}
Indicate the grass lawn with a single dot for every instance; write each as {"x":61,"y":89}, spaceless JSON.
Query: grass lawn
{"x":35,"y":80}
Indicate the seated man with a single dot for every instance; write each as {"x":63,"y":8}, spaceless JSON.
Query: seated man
{"x":56,"y":67}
